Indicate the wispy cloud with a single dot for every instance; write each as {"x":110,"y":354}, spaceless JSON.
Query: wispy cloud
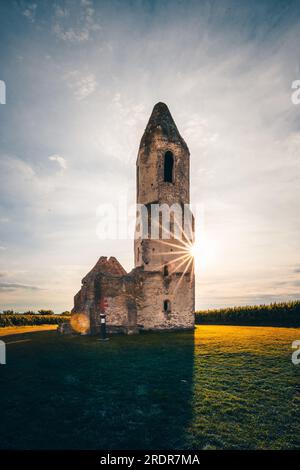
{"x":75,"y":24}
{"x":30,"y":12}
{"x":82,"y":84}
{"x":60,"y":160}
{"x":7,"y":286}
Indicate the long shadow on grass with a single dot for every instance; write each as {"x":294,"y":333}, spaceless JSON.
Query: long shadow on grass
{"x":79,"y":393}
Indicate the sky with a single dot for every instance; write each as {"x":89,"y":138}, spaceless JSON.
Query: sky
{"x":81,"y":80}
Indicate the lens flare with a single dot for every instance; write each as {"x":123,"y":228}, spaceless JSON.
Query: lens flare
{"x":181,"y":256}
{"x":80,"y":323}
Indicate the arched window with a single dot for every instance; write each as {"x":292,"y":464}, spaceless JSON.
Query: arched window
{"x":167,"y":306}
{"x":166,"y":270}
{"x":168,"y":167}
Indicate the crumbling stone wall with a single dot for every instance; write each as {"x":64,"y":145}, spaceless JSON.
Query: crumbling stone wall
{"x":107,"y":280}
{"x":159,"y":292}
{"x":155,"y":290}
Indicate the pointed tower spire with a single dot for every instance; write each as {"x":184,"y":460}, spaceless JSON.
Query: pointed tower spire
{"x":163,"y":161}
{"x":161,"y":121}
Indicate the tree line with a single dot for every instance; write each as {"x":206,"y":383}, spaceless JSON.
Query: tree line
{"x":30,"y":312}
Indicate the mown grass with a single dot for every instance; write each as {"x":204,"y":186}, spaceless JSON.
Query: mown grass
{"x":224,"y":387}
{"x":276,"y":314}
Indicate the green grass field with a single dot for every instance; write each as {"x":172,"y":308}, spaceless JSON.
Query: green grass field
{"x":224,"y":387}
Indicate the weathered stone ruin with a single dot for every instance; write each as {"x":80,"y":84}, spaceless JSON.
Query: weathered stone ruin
{"x":158,"y":294}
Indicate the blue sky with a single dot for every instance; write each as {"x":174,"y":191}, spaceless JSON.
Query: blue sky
{"x":82,"y":78}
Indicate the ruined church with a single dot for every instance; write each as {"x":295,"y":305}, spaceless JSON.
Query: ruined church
{"x":159,"y":292}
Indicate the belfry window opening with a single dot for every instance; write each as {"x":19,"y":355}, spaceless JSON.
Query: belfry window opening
{"x":167,"y":306}
{"x":168,"y":167}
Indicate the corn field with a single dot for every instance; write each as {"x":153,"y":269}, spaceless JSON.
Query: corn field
{"x":277,"y":314}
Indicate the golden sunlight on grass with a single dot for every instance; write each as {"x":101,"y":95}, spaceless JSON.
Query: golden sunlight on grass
{"x":253,"y":339}
{"x":15,"y":330}
{"x":245,"y":388}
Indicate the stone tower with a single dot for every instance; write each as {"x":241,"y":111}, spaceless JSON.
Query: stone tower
{"x":159,"y":293}
{"x":165,"y":225}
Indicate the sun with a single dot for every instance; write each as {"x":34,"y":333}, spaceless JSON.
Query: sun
{"x":192,"y":249}
{"x":202,"y":251}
